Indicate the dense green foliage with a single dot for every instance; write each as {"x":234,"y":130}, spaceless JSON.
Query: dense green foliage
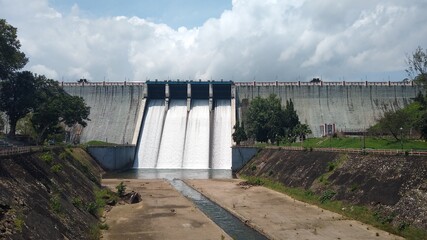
{"x":239,"y":134}
{"x":17,"y":96}
{"x":268,"y":122}
{"x":11,"y":59}
{"x":54,"y":107}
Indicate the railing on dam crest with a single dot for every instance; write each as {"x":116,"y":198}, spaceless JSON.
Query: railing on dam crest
{"x":254,"y":83}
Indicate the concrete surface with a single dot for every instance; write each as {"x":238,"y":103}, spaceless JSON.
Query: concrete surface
{"x":114,"y":157}
{"x":349,"y":107}
{"x":241,"y":155}
{"x":114,"y":111}
{"x":163,"y":214}
{"x":280,"y":217}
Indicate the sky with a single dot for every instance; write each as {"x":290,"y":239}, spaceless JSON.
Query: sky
{"x":239,"y":40}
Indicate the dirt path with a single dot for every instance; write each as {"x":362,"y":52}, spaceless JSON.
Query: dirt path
{"x":281,"y":217}
{"x":163,"y":214}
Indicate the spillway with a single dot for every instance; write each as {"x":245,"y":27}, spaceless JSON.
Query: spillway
{"x":173,"y":138}
{"x":221,"y":151}
{"x":185,"y":133}
{"x":196,"y":153}
{"x":149,"y":141}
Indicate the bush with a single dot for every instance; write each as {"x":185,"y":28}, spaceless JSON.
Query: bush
{"x":103,"y":226}
{"x":326,"y":196}
{"x":55,"y":203}
{"x":56,"y":168}
{"x":121,"y":188}
{"x":47,"y":157}
{"x":77,"y":202}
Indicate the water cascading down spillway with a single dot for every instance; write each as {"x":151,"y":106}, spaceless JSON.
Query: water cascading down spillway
{"x":181,"y":130}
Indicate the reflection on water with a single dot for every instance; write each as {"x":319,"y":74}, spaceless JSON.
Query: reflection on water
{"x":171,"y":174}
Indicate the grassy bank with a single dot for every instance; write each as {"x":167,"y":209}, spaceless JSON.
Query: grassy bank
{"x":360,"y":213}
{"x":359,"y":142}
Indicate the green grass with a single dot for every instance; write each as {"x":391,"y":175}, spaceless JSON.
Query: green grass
{"x":357,"y":142}
{"x":103,"y":195}
{"x":99,"y":143}
{"x":359,"y":213}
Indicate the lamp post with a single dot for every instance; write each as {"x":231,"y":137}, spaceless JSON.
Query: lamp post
{"x":401,"y":139}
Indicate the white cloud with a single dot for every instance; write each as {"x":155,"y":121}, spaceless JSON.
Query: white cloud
{"x":43,"y":70}
{"x":256,"y":39}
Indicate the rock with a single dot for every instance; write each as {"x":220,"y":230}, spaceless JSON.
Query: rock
{"x":132,"y":197}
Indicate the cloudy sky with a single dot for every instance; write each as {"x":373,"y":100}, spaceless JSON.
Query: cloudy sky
{"x":239,"y":40}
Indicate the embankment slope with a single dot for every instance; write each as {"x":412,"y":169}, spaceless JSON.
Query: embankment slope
{"x":42,"y":195}
{"x":393,"y":186}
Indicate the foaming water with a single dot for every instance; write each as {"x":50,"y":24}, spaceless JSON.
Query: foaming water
{"x":171,"y":174}
{"x":151,"y":134}
{"x":178,"y":139}
{"x":221,"y":146}
{"x":196,"y":151}
{"x":172,"y":145}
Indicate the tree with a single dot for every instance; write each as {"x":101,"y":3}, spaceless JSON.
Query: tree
{"x":239,"y":134}
{"x":265,"y":119}
{"x":417,"y":66}
{"x":17,"y":97}
{"x":393,"y":123}
{"x":57,"y":107}
{"x":268,"y":121}
{"x":302,"y":130}
{"x":11,"y":59}
{"x":417,"y":70}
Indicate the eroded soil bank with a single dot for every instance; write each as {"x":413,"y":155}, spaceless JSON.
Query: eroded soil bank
{"x":394,"y":187}
{"x":44,"y":195}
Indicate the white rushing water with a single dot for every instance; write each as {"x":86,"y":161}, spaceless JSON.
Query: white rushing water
{"x":196,"y":151}
{"x":149,"y":141}
{"x":221,"y":146}
{"x":172,"y":144}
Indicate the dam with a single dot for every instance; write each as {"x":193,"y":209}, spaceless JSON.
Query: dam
{"x":188,"y":124}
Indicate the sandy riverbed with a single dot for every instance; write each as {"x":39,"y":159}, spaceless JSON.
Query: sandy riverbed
{"x":165,"y":214}
{"x":280,"y":217}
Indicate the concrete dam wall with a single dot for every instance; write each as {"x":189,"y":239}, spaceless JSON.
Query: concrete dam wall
{"x":349,"y":107}
{"x":117,"y":109}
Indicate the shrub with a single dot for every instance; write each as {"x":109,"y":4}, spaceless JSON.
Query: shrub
{"x":64,"y":155}
{"x":121,"y":188}
{"x":77,"y":202}
{"x":55,"y":203}
{"x":103,"y":226}
{"x":326,"y":196}
{"x":92,"y":208}
{"x":331,"y":166}
{"x":19,"y":223}
{"x":56,"y":168}
{"x":47,"y":157}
